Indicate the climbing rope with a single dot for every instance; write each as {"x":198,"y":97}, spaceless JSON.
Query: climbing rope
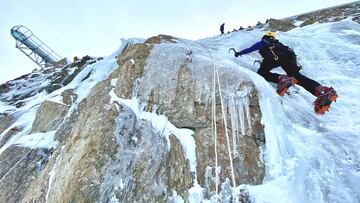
{"x":214,"y":130}
{"x":226,"y":131}
{"x":22,"y":158}
{"x":12,"y":168}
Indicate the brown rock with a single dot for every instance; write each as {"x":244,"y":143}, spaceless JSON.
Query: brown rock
{"x":131,"y":66}
{"x":18,"y":179}
{"x":180,"y":177}
{"x":38,"y":189}
{"x":280,"y":25}
{"x":69,"y":96}
{"x":248,"y":167}
{"x":87,"y":150}
{"x":332,"y":14}
{"x":143,"y":170}
{"x":8,"y":135}
{"x":308,"y":21}
{"x":186,"y":112}
{"x":49,"y":116}
{"x":6,"y":121}
{"x":4,"y":88}
{"x":160,"y":38}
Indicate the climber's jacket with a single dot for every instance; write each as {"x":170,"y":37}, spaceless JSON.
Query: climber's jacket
{"x":270,"y":48}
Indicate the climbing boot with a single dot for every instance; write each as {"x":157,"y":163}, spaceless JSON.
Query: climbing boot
{"x":284,"y":83}
{"x":325,"y":96}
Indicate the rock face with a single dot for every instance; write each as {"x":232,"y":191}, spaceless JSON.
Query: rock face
{"x":4,"y":88}
{"x":280,"y":25}
{"x":143,"y":170}
{"x":67,"y":73}
{"x":69,"y":96}
{"x":337,"y":13}
{"x":49,"y":116}
{"x":110,"y":152}
{"x":347,"y":11}
{"x":88,"y":148}
{"x":8,"y":135}
{"x":333,"y":14}
{"x":14,"y":184}
{"x":131,"y":65}
{"x":51,"y":79}
{"x":5,"y":121}
{"x":182,"y":91}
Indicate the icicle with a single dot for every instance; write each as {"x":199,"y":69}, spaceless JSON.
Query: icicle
{"x":241,"y":116}
{"x":233,"y":117}
{"x":247,"y":110}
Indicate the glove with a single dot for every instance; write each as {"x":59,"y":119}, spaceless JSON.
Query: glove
{"x":237,"y":54}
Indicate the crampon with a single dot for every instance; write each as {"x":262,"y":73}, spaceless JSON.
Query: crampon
{"x":324,"y":100}
{"x":285,"y":82}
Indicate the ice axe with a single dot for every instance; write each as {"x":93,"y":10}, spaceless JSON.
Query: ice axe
{"x":232,"y":49}
{"x":257,"y":61}
{"x":236,"y":54}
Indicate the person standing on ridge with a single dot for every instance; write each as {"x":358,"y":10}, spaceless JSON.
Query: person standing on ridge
{"x":222,"y":27}
{"x":276,"y":54}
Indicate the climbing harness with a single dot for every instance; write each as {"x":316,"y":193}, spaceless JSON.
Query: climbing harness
{"x":276,"y":57}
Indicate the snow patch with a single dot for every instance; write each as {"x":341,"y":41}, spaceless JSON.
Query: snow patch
{"x":297,"y":23}
{"x":196,"y":193}
{"x":132,"y":61}
{"x":175,"y":198}
{"x":38,"y":140}
{"x":4,"y":107}
{"x":25,"y":122}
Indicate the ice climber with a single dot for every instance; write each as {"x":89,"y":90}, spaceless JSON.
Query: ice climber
{"x":276,"y":54}
{"x":222,"y":27}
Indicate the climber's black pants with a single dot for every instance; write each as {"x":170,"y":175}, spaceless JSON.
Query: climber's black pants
{"x":291,"y":68}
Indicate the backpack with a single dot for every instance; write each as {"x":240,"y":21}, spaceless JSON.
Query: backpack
{"x":278,"y":48}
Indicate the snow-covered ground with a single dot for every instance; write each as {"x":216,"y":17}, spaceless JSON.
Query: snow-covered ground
{"x":308,"y":158}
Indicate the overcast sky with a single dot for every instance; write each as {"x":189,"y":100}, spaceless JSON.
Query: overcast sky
{"x":80,"y":27}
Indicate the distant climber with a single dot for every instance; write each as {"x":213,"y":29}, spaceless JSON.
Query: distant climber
{"x":275,"y":54}
{"x":222,"y":27}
